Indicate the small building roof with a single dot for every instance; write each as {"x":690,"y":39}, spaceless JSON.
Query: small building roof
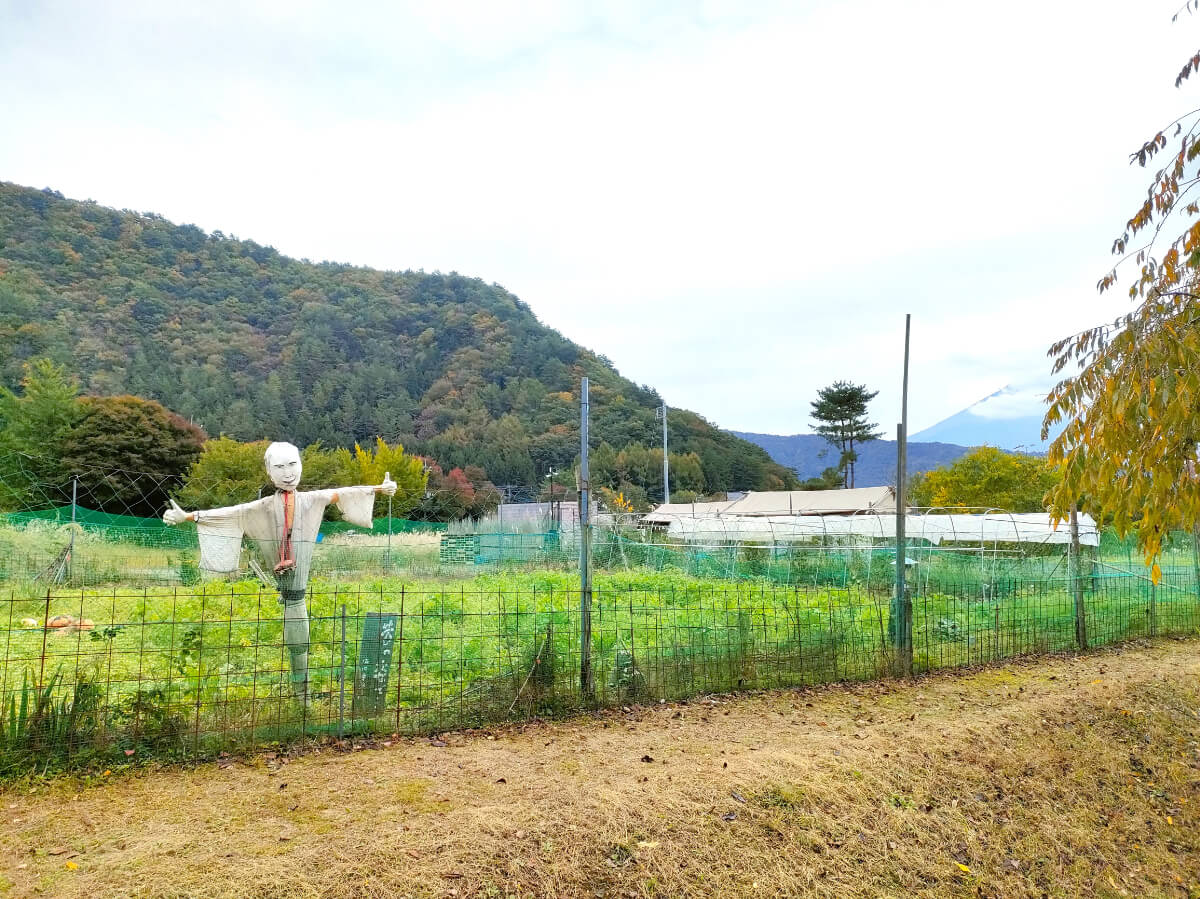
{"x":815,"y":502}
{"x":783,"y":502}
{"x":667,"y":512}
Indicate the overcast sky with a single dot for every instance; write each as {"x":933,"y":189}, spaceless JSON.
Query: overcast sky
{"x":736,"y":201}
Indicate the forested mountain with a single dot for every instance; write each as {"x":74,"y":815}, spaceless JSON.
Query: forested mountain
{"x":249,"y":343}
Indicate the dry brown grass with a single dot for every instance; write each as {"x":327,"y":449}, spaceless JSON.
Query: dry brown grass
{"x":1062,"y":777}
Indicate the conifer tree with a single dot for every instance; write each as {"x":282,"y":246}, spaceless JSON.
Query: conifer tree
{"x":840,"y":411}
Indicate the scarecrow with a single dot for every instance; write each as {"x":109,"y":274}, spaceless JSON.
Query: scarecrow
{"x":283,"y":527}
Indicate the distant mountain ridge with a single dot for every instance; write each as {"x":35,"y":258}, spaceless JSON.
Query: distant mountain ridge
{"x":1010,"y":418}
{"x":810,"y":454}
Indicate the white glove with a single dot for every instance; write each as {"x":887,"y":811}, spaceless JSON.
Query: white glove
{"x":388,"y":487}
{"x":175,"y":515}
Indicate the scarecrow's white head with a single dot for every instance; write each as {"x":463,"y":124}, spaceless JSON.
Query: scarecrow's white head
{"x":283,"y":465}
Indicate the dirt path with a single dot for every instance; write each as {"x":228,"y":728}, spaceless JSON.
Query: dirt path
{"x":1060,"y":777}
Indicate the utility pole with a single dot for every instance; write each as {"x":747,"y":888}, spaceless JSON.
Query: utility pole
{"x":661,"y":412}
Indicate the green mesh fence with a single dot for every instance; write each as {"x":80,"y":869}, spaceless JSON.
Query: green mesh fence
{"x":154,"y":659}
{"x":48,"y":547}
{"x":102,"y":548}
{"x":124,"y":528}
{"x":384,"y":526}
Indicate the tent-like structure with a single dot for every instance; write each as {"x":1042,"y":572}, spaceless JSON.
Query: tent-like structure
{"x":782,"y":503}
{"x":989,"y":528}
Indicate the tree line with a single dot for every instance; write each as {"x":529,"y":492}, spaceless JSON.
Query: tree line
{"x":127,"y":455}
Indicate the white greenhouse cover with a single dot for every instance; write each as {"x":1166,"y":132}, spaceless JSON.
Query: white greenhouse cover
{"x":994,"y":527}
{"x":784,"y":502}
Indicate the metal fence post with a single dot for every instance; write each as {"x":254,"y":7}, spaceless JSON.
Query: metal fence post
{"x":342,"y":678}
{"x":387,"y":559}
{"x":71,"y":548}
{"x":586,"y":686}
{"x":1153,"y":606}
{"x":1081,"y":638}
{"x":902,"y":611}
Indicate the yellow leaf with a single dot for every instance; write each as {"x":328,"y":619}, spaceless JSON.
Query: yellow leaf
{"x":1098,"y":681}
{"x":1170,"y":820}
{"x":71,"y":866}
{"x":963,"y":868}
{"x":647,"y":844}
{"x":106,"y":773}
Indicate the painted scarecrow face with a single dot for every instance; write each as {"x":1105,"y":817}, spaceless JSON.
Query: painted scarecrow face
{"x":283,"y":465}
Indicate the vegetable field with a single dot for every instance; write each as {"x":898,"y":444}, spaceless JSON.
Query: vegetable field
{"x":189,"y":671}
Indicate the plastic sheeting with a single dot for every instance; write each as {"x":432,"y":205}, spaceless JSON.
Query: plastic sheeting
{"x":993,"y":527}
{"x":857,"y":500}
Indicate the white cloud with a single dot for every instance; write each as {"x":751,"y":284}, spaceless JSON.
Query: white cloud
{"x":736,"y":202}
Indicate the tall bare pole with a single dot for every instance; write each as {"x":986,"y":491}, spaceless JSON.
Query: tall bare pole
{"x":585,"y":550}
{"x":666,"y":465}
{"x":902,"y":605}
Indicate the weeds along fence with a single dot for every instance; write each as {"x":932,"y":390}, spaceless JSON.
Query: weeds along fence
{"x":181,"y":673}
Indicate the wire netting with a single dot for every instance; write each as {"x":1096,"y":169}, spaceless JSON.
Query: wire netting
{"x":115,"y":645}
{"x":178,"y":672}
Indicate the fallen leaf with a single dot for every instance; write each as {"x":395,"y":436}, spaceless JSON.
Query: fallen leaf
{"x":129,"y":752}
{"x":738,"y":796}
{"x":412,"y":852}
{"x":71,"y":866}
{"x":501,"y":780}
{"x":963,"y":868}
{"x":452,"y":875}
{"x":729,"y":816}
{"x":520,"y":835}
{"x":60,"y":851}
{"x":647,"y":844}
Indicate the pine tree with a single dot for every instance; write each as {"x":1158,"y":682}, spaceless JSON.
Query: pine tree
{"x":841,"y":413}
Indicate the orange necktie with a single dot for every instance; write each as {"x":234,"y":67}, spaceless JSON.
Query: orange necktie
{"x":286,"y":562}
